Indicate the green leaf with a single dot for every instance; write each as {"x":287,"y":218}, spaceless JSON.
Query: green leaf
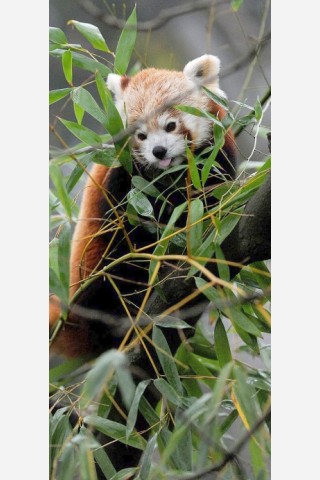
{"x":104,"y":463}
{"x":67,"y":463}
{"x":211,"y":293}
{"x":116,"y":431}
{"x":126,"y":44}
{"x":148,"y":412}
{"x":114,"y":121}
{"x":219,"y":391}
{"x":67,"y":66}
{"x":163,"y":245}
{"x":199,"y":113}
{"x":171,"y":322}
{"x":167,"y":391}
{"x":140,"y":203}
{"x":61,"y":429}
{"x":79,"y":112}
{"x":166,"y":360}
{"x":78,"y":170}
{"x":56,"y":95}
{"x":106,"y":157}
{"x":83,"y":62}
{"x":147,"y":458}
{"x":195,"y":363}
{"x":56,"y":35}
{"x":53,"y":255}
{"x":63,"y":257}
{"x":146,"y":187}
{"x":226,"y":226}
{"x":258,"y":110}
{"x":92,"y":34}
{"x":86,"y":460}
{"x":222,"y":102}
{"x":100,"y":374}
{"x":102,"y":88}
{"x":61,"y":191}
{"x":84,"y":99}
{"x":62,"y":370}
{"x":221,"y":344}
{"x":133,"y":412}
{"x":125,"y":474}
{"x":238,"y":318}
{"x":223,"y":268}
{"x":219,"y":139}
{"x":82,"y":133}
{"x":196,"y":211}
{"x":195,"y":177}
{"x":236,"y":4}
{"x":55,"y":286}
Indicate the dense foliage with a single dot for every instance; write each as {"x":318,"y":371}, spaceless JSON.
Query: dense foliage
{"x":215,"y":391}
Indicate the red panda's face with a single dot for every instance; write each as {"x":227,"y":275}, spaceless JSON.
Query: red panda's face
{"x":148,"y":102}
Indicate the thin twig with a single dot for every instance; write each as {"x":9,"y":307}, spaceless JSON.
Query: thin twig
{"x":164,"y":16}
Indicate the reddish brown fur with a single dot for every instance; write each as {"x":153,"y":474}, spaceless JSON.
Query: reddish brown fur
{"x":86,"y":252}
{"x":86,"y":247}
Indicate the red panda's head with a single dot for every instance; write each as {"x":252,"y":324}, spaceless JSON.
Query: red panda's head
{"x":148,"y":101}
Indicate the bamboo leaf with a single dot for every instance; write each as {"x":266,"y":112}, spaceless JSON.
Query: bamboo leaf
{"x":85,"y":100}
{"x":56,"y":95}
{"x":147,"y":457}
{"x":79,"y":112}
{"x":116,"y":431}
{"x":102,"y":88}
{"x":82,"y":133}
{"x":171,"y":322}
{"x":83,"y":62}
{"x":100,"y":374}
{"x":221,"y":344}
{"x":67,"y":463}
{"x":104,"y":463}
{"x":146,"y":187}
{"x":126,"y":44}
{"x":166,"y":360}
{"x":140,"y":203}
{"x":196,"y":211}
{"x":162,"y":246}
{"x":258,"y":110}
{"x":61,"y":191}
{"x":67,"y":66}
{"x":125,"y":474}
{"x":56,"y":35}
{"x":167,"y":391}
{"x":78,"y":170}
{"x":133,"y":412}
{"x":223,"y":268}
{"x":92,"y":34}
{"x":195,"y":177}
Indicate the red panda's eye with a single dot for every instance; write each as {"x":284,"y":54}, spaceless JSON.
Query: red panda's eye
{"x":142,"y":136}
{"x":171,"y":126}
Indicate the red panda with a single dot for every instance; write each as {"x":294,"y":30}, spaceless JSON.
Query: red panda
{"x":103,"y":232}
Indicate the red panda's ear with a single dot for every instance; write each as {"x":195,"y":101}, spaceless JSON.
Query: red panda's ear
{"x":116,"y":84}
{"x":203,"y":71}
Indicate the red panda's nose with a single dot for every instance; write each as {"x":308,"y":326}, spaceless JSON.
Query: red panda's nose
{"x":159,"y":152}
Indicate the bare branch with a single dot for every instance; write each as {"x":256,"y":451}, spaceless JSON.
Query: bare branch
{"x":164,"y":15}
{"x":243,"y":61}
